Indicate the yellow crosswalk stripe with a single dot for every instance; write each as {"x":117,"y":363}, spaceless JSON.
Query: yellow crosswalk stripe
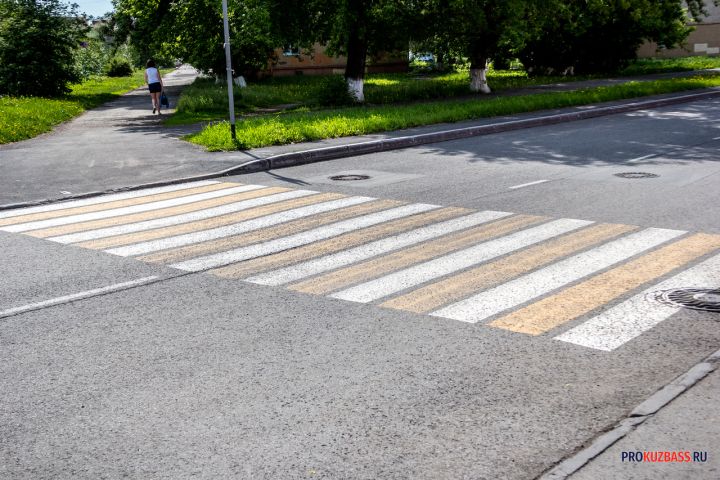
{"x":213,"y":246}
{"x":117,"y":204}
{"x":154,"y":214}
{"x":376,"y":267}
{"x":456,"y":287}
{"x":307,"y":252}
{"x":336,"y":244}
{"x":572,"y":302}
{"x":196,"y":226}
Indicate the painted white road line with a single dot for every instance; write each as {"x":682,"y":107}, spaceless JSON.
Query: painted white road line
{"x":286,"y":275}
{"x":454,"y":262}
{"x":116,"y":212}
{"x":533,"y":285}
{"x":236,"y":229}
{"x":629,"y":319}
{"x":103,"y":199}
{"x":644,"y":157}
{"x":77,"y":296}
{"x":300,"y":239}
{"x":538,"y":182}
{"x":181,"y":218}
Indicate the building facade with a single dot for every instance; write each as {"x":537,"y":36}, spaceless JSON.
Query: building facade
{"x":294,"y":61}
{"x":703,"y":41}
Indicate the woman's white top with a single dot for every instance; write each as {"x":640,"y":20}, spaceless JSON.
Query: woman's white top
{"x":153,"y":75}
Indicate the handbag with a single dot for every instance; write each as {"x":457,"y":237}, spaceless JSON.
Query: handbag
{"x":164,"y":100}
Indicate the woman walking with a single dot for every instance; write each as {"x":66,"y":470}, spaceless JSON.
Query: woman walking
{"x":154,"y":83}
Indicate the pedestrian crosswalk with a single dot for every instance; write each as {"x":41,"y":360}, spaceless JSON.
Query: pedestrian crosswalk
{"x":580,"y":282}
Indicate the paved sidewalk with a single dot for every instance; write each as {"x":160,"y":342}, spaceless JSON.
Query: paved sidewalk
{"x":121,"y":144}
{"x":118,"y":144}
{"x":691,"y":423}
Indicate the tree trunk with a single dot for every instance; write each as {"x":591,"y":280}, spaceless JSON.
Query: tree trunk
{"x":478,"y":76}
{"x":356,"y":51}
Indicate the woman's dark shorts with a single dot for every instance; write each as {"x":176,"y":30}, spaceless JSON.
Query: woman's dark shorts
{"x":155,"y":87}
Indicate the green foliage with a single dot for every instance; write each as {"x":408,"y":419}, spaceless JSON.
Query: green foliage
{"x":355,"y":29}
{"x":205,"y":101}
{"x":37,"y":43}
{"x":119,"y":67}
{"x":333,"y":91}
{"x":478,"y":30}
{"x":308,"y":126}
{"x":193,"y":30}
{"x":592,"y":36}
{"x":91,"y":58}
{"x":26,"y":117}
{"x":656,"y":65}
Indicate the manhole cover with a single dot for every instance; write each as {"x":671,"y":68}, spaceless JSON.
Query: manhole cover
{"x":349,"y":178}
{"x":694,"y":298}
{"x":636,"y":175}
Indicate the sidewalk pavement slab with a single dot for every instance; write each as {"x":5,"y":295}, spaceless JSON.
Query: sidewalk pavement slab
{"x":691,"y":423}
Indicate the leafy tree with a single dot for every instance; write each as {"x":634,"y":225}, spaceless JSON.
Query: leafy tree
{"x":195,"y":34}
{"x":193,"y":30}
{"x":91,"y":58}
{"x":37,"y":42}
{"x":356,"y":29}
{"x":478,"y":30}
{"x":589,"y":36}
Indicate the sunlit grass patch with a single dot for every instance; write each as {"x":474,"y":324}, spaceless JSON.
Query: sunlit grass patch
{"x":287,"y":128}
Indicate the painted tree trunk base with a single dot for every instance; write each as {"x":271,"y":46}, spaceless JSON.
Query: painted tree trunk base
{"x":355,"y":89}
{"x":478,"y":80}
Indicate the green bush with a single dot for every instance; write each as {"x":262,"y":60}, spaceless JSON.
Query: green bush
{"x":333,"y":90}
{"x":119,"y":67}
{"x":37,"y":44}
{"x":91,"y":58}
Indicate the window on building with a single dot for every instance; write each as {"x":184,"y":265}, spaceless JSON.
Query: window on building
{"x":291,"y":51}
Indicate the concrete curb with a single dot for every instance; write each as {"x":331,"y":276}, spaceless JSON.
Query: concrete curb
{"x":638,"y":415}
{"x":374,"y":146}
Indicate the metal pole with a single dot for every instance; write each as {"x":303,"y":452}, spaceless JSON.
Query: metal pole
{"x":228,"y":68}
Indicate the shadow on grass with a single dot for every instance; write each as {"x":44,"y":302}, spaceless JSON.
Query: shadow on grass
{"x":92,"y":100}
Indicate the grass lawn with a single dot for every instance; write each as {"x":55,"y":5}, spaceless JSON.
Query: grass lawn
{"x":656,"y":65}
{"x":204,"y":101}
{"x":26,"y":117}
{"x":305,"y":126}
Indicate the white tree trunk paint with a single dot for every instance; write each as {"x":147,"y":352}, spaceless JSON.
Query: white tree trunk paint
{"x":240,"y":81}
{"x":355,"y":88}
{"x":478,"y":80}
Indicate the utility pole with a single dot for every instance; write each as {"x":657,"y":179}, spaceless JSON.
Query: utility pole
{"x":228,"y":68}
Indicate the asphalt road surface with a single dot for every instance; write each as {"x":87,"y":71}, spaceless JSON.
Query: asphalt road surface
{"x":474,"y":309}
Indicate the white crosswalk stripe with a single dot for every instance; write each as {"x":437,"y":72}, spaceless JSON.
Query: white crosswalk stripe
{"x":242,"y":227}
{"x":578,"y":282}
{"x":285,"y":243}
{"x":286,"y":275}
{"x":523,"y":289}
{"x":631,"y":318}
{"x":178,"y":219}
{"x":85,"y":217}
{"x":103,"y":199}
{"x":389,"y":284}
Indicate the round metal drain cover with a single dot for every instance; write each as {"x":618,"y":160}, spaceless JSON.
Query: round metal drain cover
{"x":694,"y":298}
{"x":636,"y":175}
{"x":349,"y":178}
